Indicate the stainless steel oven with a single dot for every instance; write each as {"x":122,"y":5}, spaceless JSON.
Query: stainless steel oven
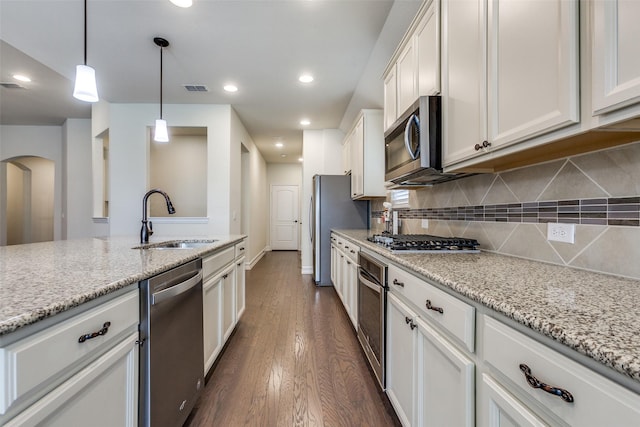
{"x":372,"y":312}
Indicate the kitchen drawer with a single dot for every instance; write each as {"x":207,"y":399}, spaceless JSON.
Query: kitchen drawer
{"x":455,"y":316}
{"x":597,"y":401}
{"x":351,"y":250}
{"x":215,"y":262}
{"x":240,"y":249}
{"x":29,"y":364}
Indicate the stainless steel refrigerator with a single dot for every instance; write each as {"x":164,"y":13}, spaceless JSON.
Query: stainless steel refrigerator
{"x":332,"y":208}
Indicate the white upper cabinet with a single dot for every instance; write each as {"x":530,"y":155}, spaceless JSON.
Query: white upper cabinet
{"x":414,"y":70}
{"x":533,"y":68}
{"x":463,"y":78}
{"x":510,"y":73}
{"x":390,"y":98}
{"x":615,"y":54}
{"x":427,"y":46}
{"x":366,"y":142}
{"x":407,"y":77}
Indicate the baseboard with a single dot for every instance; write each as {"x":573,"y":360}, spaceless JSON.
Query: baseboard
{"x":249,"y":265}
{"x":307,"y":269}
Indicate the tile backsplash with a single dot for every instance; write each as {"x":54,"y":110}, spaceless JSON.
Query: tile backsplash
{"x":508,"y":212}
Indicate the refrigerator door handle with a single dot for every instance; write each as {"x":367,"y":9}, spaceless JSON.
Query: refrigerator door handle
{"x":310,"y":220}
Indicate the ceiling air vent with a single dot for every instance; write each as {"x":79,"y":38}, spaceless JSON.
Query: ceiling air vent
{"x":196,"y":88}
{"x":11,"y":86}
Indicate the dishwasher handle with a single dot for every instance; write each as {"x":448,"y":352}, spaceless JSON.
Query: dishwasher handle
{"x":176,"y":290}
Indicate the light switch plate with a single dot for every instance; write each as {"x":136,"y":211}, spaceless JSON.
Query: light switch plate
{"x":425,"y":223}
{"x":561,"y":232}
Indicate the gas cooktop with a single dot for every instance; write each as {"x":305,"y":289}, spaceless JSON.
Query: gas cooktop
{"x":424,"y":243}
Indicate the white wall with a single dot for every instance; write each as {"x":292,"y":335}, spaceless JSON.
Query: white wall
{"x":129,"y":126}
{"x":286,"y":174}
{"x":40,"y":141}
{"x":322,"y":153}
{"x":76,"y":171}
{"x":248,"y":201}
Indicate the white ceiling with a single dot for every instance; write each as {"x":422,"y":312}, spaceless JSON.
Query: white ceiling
{"x":260,"y":45}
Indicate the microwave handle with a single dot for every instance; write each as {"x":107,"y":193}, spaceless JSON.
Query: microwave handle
{"x":413,"y":120}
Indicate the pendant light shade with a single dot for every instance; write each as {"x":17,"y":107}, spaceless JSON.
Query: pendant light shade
{"x":160,"y":133}
{"x":182,"y":3}
{"x":85,"y":88}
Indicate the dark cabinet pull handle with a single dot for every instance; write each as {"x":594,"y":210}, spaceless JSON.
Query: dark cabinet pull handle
{"x":485,"y":144}
{"x":409,"y":322}
{"x":413,"y":325}
{"x":242,"y":249}
{"x":395,"y":282}
{"x":352,"y":251}
{"x":103,"y":331}
{"x":431,"y":307}
{"x":535,"y":383}
{"x":407,"y":319}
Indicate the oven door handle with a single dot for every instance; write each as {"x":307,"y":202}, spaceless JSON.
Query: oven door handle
{"x":368,"y":283}
{"x":176,"y":290}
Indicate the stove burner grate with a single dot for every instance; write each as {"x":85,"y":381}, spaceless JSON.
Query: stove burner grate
{"x":410,"y":243}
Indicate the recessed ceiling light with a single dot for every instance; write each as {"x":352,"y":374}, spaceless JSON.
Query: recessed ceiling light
{"x":230,"y":88}
{"x":279,"y":144}
{"x":300,"y":159}
{"x":305,"y":122}
{"x":283,"y":155}
{"x":21,"y":78}
{"x":182,"y":3}
{"x":305,"y":78}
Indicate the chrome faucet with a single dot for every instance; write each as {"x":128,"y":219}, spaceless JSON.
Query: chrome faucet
{"x":147,"y":227}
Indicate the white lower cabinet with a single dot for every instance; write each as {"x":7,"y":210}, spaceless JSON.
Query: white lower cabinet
{"x":446,"y":381}
{"x":498,"y":407}
{"x":429,"y":381}
{"x":401,"y":355}
{"x":223,"y":299}
{"x":344,"y":275}
{"x":105,"y":393}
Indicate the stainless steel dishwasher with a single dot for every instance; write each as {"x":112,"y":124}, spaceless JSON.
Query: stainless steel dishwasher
{"x":172,"y":355}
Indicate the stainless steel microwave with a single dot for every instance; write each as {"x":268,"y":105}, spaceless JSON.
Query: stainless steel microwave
{"x":413,"y":146}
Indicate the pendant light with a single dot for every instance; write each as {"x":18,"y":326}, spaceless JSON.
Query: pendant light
{"x":160,"y":133}
{"x":85,"y":88}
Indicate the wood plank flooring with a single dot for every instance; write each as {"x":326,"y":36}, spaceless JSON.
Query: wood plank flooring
{"x":294,"y":359}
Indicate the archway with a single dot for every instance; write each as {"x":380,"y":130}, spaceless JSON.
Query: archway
{"x":27,"y":205}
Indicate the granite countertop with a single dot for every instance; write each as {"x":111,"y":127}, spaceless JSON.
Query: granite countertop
{"x":39,"y":280}
{"x":595,"y":314}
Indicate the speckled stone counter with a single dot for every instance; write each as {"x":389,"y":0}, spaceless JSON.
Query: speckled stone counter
{"x":39,"y":280}
{"x":595,"y":314}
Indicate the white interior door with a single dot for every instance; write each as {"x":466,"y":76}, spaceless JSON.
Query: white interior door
{"x":284,"y":217}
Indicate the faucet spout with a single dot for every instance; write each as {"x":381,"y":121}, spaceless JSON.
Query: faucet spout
{"x":147,"y":227}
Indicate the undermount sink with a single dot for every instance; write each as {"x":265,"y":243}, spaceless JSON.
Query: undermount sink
{"x":178,"y":244}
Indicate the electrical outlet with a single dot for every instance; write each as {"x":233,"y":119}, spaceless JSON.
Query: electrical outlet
{"x":425,"y":223}
{"x":561,"y":232}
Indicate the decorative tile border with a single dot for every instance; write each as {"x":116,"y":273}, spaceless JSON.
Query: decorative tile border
{"x":616,"y":211}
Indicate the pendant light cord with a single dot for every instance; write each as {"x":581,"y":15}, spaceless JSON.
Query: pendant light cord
{"x":161,"y":48}
{"x":85,"y":32}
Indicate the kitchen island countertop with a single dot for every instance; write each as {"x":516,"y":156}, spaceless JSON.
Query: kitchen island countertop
{"x":39,"y":280}
{"x":595,"y":314}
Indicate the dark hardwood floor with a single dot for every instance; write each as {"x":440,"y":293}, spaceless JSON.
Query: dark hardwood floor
{"x":294,"y":359}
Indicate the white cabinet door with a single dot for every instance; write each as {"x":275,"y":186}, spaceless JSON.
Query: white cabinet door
{"x":105,"y":393}
{"x":211,"y":313}
{"x":401,"y":358}
{"x":427,"y":45}
{"x":357,"y":159}
{"x":464,"y":93}
{"x":228,"y":301}
{"x":615,"y":54}
{"x":346,"y":155}
{"x":390,"y":96}
{"x":446,"y":385}
{"x":352,"y":292}
{"x":240,"y":288}
{"x":407,"y":78}
{"x":533,"y":67}
{"x":498,"y":408}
